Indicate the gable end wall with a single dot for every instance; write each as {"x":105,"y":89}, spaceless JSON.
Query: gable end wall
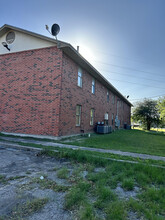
{"x":30,"y":85}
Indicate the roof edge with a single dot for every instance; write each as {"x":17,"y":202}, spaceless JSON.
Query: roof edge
{"x":101,"y":77}
{"x":70,"y":51}
{"x":5,"y":28}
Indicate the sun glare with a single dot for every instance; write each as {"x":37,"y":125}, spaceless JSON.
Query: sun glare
{"x":87,"y":54}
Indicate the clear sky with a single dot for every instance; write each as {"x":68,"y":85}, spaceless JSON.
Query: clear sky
{"x":123,"y":39}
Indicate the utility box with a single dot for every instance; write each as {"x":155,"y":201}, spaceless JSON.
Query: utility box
{"x":128,"y":127}
{"x":103,"y":129}
{"x":100,"y":129}
{"x":106,"y":116}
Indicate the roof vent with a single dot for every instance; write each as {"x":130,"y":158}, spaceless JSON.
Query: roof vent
{"x":78,"y":49}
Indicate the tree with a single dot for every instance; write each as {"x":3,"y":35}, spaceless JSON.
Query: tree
{"x":147,"y":113}
{"x":161,"y":108}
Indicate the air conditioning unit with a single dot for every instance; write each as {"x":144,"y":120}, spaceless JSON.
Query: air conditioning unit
{"x":104,"y":129}
{"x":106,"y":116}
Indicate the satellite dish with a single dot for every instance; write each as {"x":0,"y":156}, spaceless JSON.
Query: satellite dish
{"x":55,"y":29}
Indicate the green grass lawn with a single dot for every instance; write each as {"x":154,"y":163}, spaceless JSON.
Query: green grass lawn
{"x":95,"y":196}
{"x":110,"y":189}
{"x":126,"y":140}
{"x":99,"y":189}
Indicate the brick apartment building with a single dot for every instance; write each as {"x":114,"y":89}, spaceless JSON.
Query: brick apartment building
{"x":48,"y":88}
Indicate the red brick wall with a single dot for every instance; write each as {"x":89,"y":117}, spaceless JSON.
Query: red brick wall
{"x":39,"y":94}
{"x":72,"y":95}
{"x":30,"y":84}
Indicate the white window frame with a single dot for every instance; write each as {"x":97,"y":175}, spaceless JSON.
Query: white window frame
{"x":93,"y":86}
{"x":79,"y":79}
{"x":78,"y":115}
{"x":92,"y":116}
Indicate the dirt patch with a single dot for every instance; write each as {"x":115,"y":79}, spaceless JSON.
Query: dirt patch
{"x":19,"y":170}
{"x":33,"y":186}
{"x":123,"y":194}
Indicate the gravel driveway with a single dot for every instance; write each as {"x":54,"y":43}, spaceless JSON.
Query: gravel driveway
{"x":19,"y":170}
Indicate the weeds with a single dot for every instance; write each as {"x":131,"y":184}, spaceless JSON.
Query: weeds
{"x":128,"y":184}
{"x":28,"y":172}
{"x":26,"y":209}
{"x":148,"y":204}
{"x":77,"y":194}
{"x":75,"y":197}
{"x":15,"y":178}
{"x":49,"y":184}
{"x":86,"y":212}
{"x":116,"y":210}
{"x":3,"y":179}
{"x":105,"y":196}
{"x":101,"y":185}
{"x":63,"y":173}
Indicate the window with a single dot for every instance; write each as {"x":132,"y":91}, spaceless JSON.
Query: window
{"x":78,"y":115}
{"x":112,"y":118}
{"x":107,"y":96}
{"x":79,"y":82}
{"x":93,"y":86}
{"x":91,"y":116}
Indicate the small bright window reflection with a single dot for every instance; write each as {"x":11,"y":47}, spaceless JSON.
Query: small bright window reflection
{"x":79,"y":82}
{"x":93,"y":86}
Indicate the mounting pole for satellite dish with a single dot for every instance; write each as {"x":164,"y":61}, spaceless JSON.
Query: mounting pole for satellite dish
{"x":55,"y":29}
{"x":58,"y":43}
